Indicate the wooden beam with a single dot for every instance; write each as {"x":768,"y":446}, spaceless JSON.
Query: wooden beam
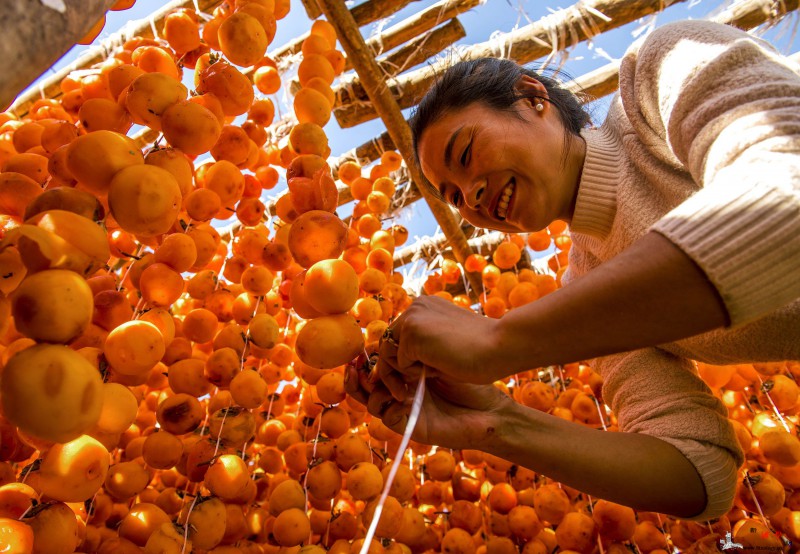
{"x":749,"y":14}
{"x":596,"y":84}
{"x":372,"y":78}
{"x":410,"y":55}
{"x":50,"y":87}
{"x":578,"y":22}
{"x":312,"y":9}
{"x":417,"y":24}
{"x":364,"y":14}
{"x":373,"y":10}
{"x":421,"y":48}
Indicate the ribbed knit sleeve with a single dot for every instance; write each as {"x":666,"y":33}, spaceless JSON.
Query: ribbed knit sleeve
{"x":596,"y":205}
{"x":655,"y":393}
{"x":728,"y":108}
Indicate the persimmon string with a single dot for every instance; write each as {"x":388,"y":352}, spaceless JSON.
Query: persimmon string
{"x":413,"y":417}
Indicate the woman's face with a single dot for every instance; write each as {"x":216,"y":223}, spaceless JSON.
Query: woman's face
{"x":501,"y":171}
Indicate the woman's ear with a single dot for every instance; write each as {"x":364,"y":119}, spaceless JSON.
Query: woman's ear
{"x":532,"y":88}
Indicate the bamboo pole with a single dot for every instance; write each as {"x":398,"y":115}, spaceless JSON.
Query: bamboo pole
{"x":51,"y":88}
{"x":564,"y":28}
{"x":417,"y":24}
{"x":373,"y":81}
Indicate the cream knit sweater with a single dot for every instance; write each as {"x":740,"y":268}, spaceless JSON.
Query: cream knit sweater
{"x":701,"y":145}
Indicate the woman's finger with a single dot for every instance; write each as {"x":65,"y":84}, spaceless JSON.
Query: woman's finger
{"x":379,"y":400}
{"x":412,"y":373}
{"x":352,"y":387}
{"x":387,"y":351}
{"x":393,"y":381}
{"x":396,"y":416}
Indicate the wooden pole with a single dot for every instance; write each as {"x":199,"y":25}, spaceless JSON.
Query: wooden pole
{"x":417,"y":24}
{"x":410,"y":55}
{"x":748,"y":14}
{"x":36,"y":36}
{"x":564,"y":28}
{"x":51,"y":88}
{"x":312,"y":9}
{"x":421,"y":48}
{"x":372,"y":78}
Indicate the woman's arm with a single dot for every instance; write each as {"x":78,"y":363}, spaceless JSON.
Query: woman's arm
{"x":636,"y":470}
{"x":650,"y":294}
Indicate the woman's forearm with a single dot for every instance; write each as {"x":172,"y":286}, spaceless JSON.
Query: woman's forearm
{"x":650,"y":294}
{"x":636,"y":470}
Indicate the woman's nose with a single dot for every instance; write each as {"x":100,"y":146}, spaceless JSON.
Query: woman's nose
{"x":475,"y":194}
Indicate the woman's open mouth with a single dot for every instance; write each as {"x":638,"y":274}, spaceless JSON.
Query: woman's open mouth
{"x":505,"y":200}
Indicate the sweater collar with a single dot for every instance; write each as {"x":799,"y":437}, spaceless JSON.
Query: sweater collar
{"x":596,"y":204}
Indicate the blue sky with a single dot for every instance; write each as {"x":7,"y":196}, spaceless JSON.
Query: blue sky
{"x":480,"y":24}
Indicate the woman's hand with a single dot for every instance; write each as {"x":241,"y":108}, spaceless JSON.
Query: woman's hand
{"x":453,"y":342}
{"x":454,"y":415}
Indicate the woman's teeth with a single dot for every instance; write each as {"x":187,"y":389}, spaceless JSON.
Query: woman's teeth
{"x":505,"y":199}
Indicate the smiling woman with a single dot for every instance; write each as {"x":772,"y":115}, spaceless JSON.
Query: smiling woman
{"x":490,"y":125}
{"x":684,"y":212}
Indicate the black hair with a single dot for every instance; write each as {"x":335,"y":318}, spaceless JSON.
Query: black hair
{"x":492,"y":82}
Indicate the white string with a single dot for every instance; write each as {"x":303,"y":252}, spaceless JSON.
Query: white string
{"x":186,"y":530}
{"x":755,"y":499}
{"x":600,"y":412}
{"x":201,"y":13}
{"x":153,"y":25}
{"x":774,"y":407}
{"x":416,"y":408}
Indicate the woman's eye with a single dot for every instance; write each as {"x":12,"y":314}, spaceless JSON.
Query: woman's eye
{"x":465,"y":155}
